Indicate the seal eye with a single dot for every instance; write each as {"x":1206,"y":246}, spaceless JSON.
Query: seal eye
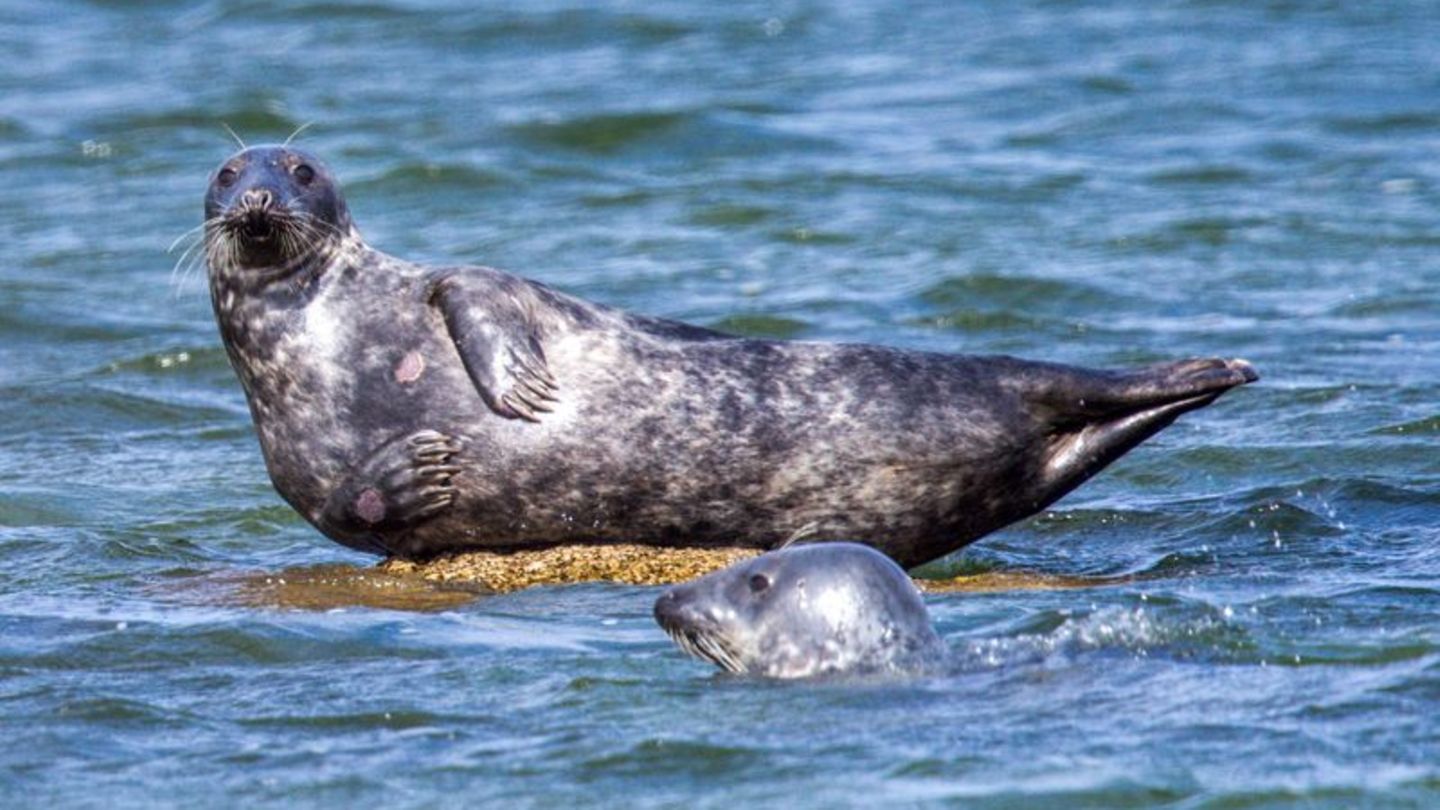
{"x":304,"y":175}
{"x":759,"y":583}
{"x":226,"y":177}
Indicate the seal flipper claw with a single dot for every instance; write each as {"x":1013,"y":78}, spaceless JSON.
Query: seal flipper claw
{"x":403,"y":483}
{"x":498,"y":346}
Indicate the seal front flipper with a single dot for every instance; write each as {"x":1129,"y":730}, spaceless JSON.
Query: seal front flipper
{"x":400,"y":485}
{"x":499,"y":345}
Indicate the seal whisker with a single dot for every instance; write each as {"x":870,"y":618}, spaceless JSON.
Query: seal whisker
{"x":695,"y":647}
{"x":687,"y":641}
{"x":191,"y":264}
{"x":813,"y":527}
{"x":237,"y":138}
{"x":718,"y":653}
{"x":197,"y":235}
{"x":195,"y":230}
{"x":297,"y":131}
{"x":180,"y":270}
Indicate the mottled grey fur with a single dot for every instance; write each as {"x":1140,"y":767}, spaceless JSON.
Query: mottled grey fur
{"x":412,"y":410}
{"x":830,"y":609}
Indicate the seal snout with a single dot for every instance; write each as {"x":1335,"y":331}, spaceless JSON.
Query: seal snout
{"x":255,"y":211}
{"x":681,"y":613}
{"x":671,"y":611}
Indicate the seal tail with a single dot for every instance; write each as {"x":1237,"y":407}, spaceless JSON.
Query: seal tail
{"x":1098,"y":417}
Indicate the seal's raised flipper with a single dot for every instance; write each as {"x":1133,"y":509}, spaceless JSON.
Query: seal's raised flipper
{"x":1096,"y":417}
{"x":400,"y":485}
{"x":499,"y":347}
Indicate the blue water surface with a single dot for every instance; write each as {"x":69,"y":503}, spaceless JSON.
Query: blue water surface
{"x":1096,"y":183}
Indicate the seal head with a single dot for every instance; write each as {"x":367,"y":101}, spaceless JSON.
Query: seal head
{"x":275,"y":209}
{"x":803,"y":611}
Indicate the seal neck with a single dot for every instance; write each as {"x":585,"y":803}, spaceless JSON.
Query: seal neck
{"x":257,"y":308}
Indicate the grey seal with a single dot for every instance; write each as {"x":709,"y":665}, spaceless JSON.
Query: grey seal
{"x":411,"y":410}
{"x":804,"y":611}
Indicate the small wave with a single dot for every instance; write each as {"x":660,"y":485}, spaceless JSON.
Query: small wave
{"x":602,"y":134}
{"x":1139,"y":630}
{"x":809,"y":236}
{"x":1206,"y":175}
{"x":180,"y":360}
{"x":64,"y":327}
{"x":547,"y":30}
{"x":428,"y":176}
{"x":12,"y":128}
{"x":731,"y":216}
{"x":1423,"y":121}
{"x":1024,"y":293}
{"x":618,"y":199}
{"x":394,"y":720}
{"x":111,"y":710}
{"x":40,"y":508}
{"x":982,"y":322}
{"x":1389,"y":304}
{"x":101,"y":411}
{"x":672,"y":757}
{"x":333,"y":13}
{"x":1108,"y":84}
{"x":1428,"y":426}
{"x":1324,"y":505}
{"x":1190,"y":232}
{"x":252,"y":120}
{"x":1276,"y":517}
{"x":761,"y":326}
{"x":691,"y":134}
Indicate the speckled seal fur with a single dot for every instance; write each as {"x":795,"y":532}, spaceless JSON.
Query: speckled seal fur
{"x":411,"y":410}
{"x":804,"y":611}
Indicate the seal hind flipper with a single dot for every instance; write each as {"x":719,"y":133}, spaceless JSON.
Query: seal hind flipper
{"x":498,"y":345}
{"x":1084,"y":395}
{"x":1099,"y":417}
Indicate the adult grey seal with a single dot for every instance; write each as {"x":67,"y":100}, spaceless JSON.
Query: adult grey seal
{"x":802,"y":611}
{"x":411,"y":410}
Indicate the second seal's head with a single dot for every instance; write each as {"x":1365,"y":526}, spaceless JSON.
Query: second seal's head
{"x":825,"y":609}
{"x":272,"y":208}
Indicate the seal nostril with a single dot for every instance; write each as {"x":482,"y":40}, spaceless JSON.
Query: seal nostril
{"x":669,"y":609}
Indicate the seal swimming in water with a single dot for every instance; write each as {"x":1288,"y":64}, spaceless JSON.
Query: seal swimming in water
{"x":411,"y":410}
{"x":803,"y":611}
